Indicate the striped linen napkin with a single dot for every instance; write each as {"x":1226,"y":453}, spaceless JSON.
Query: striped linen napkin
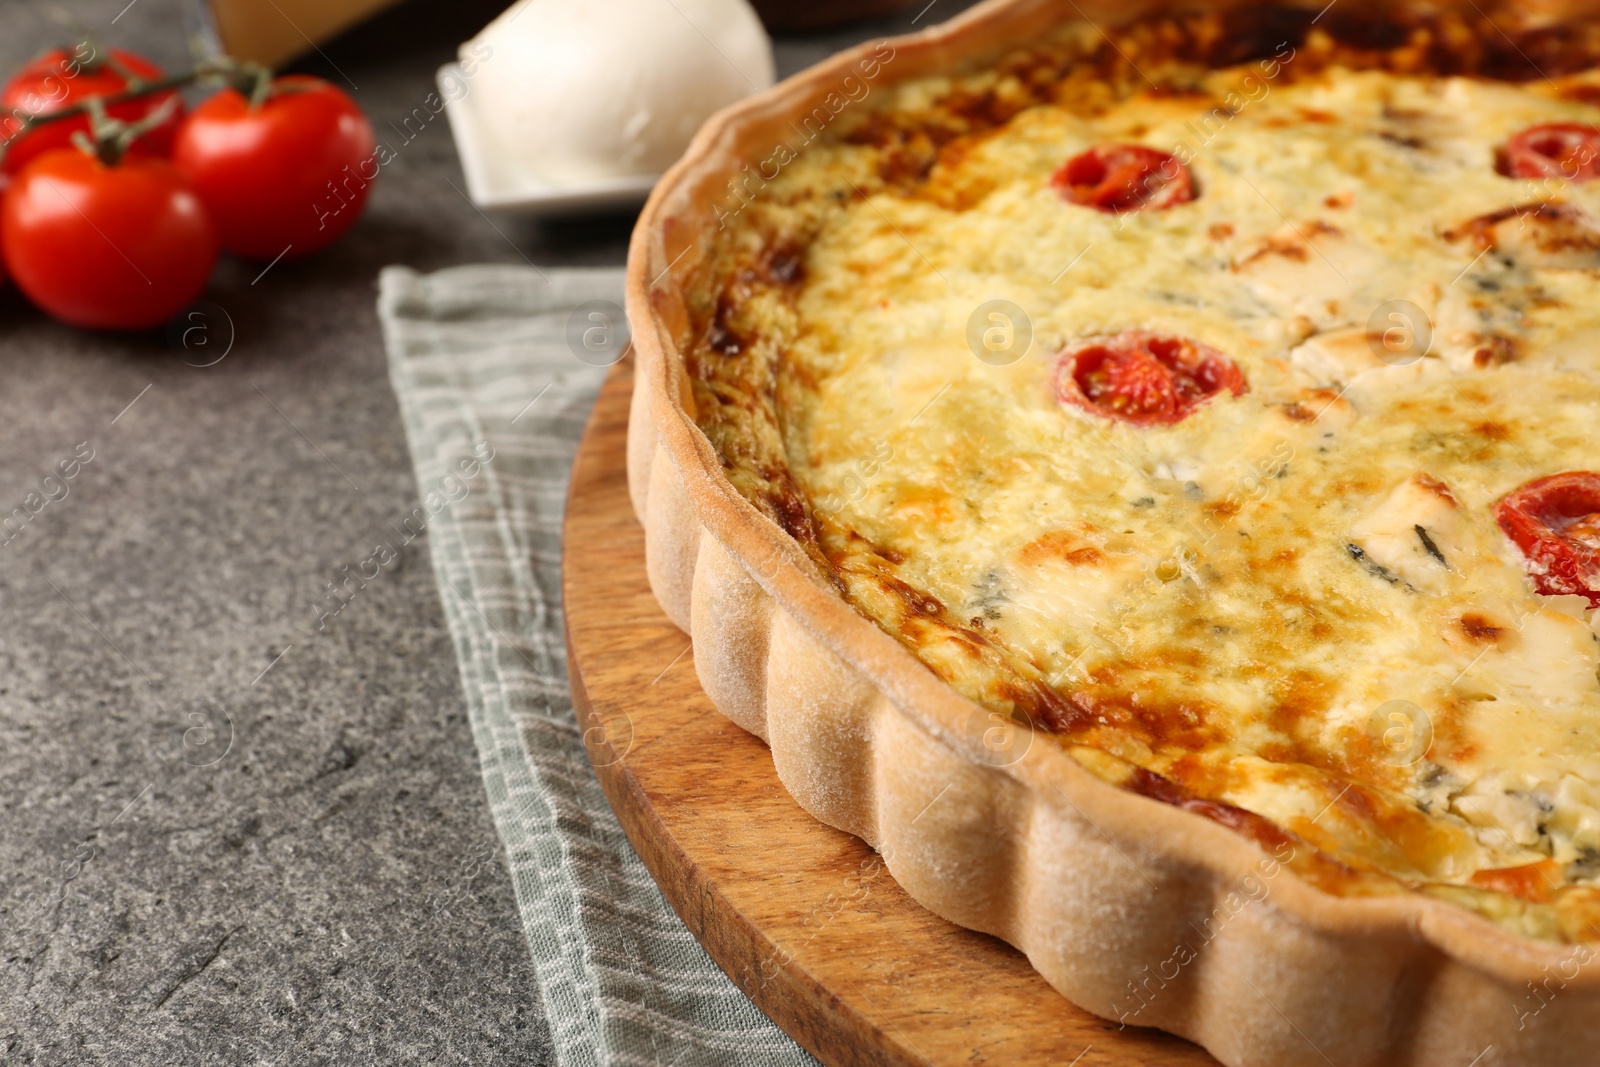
{"x":494,"y":398}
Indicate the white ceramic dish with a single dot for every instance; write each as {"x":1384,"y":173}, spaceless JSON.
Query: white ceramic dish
{"x":493,"y":184}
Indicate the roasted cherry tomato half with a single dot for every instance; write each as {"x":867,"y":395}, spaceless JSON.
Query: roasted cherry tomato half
{"x":110,"y":247}
{"x":1124,"y":177}
{"x":292,"y":173}
{"x":1144,"y":378}
{"x":1555,"y":521}
{"x":64,"y":78}
{"x":1565,"y":150}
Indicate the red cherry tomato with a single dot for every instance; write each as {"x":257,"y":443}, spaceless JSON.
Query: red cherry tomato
{"x":293,"y":173}
{"x":1555,"y":150}
{"x":60,"y":79}
{"x":1555,"y":521}
{"x":1124,"y":177}
{"x":1145,"y":378}
{"x":111,"y":247}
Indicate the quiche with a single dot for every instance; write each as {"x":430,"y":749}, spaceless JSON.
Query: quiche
{"x":1176,"y":418}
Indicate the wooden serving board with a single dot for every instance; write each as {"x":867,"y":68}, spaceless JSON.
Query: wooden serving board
{"x":804,"y":918}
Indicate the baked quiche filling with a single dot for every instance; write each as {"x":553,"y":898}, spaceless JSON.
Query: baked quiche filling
{"x":1221,"y":402}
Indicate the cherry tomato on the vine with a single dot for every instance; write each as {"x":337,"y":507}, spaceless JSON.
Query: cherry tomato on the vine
{"x":63,"y":78}
{"x":121,"y":246}
{"x":289,"y":174}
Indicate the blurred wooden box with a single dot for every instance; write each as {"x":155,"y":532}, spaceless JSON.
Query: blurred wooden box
{"x":274,"y":31}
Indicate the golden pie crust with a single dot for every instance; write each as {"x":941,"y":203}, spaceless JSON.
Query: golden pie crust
{"x":1150,"y":909}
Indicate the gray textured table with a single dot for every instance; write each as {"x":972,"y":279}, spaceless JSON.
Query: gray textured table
{"x":232,"y":834}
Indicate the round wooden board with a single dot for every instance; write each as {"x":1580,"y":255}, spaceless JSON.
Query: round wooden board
{"x":804,"y":918}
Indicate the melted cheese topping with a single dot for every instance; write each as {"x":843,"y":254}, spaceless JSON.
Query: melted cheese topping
{"x":1296,"y":601}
